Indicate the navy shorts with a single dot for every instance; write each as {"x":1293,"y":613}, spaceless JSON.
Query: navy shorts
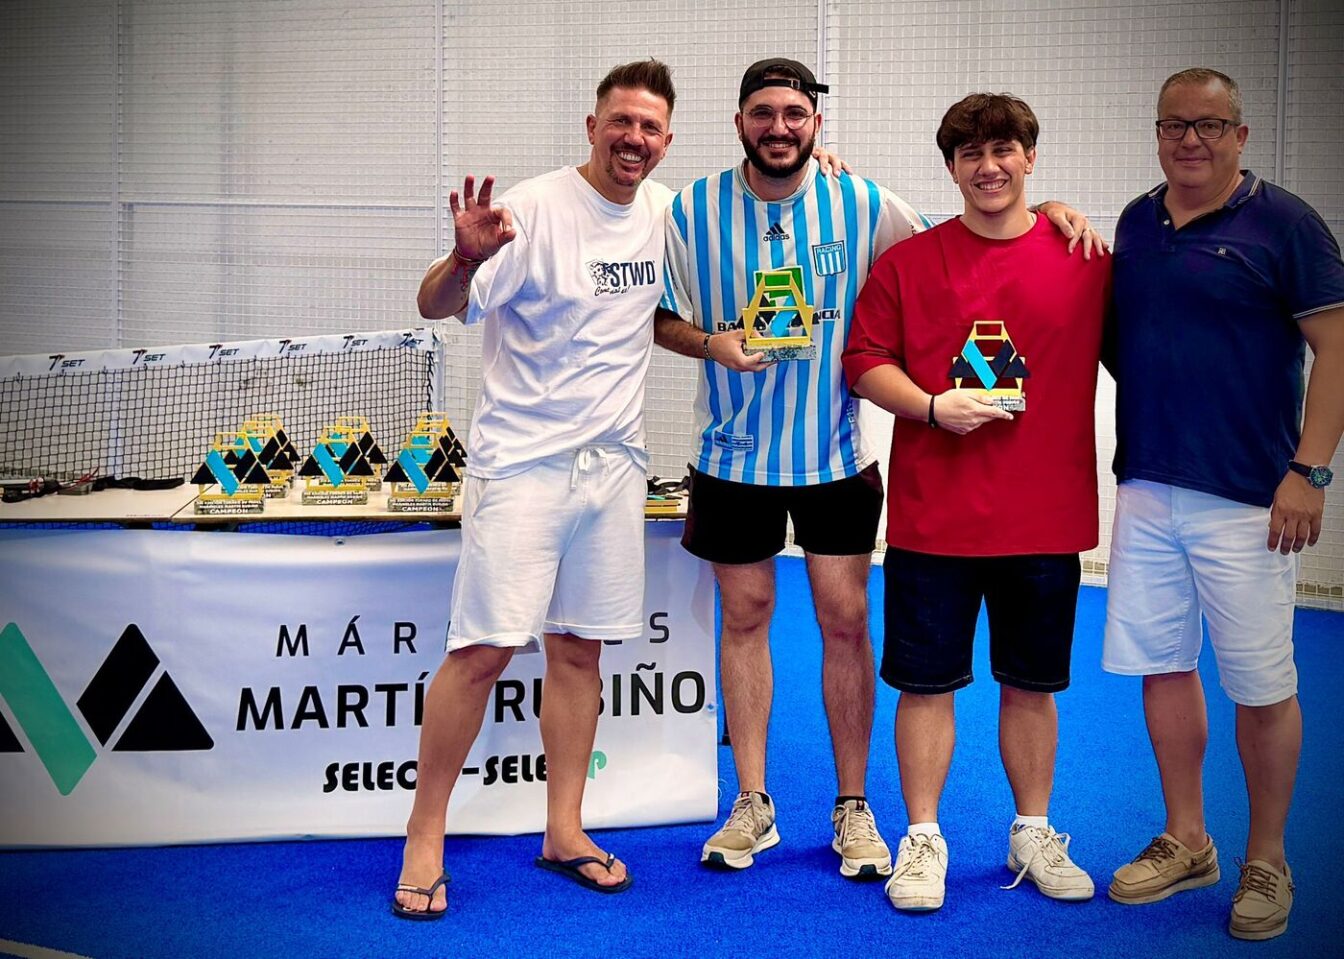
{"x":735,"y":523}
{"x":933,"y":602}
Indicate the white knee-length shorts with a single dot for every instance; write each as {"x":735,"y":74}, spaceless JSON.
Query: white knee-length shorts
{"x":1177,"y":553}
{"x":558,"y":548}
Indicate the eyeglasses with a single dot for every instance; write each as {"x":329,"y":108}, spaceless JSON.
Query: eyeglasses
{"x":1206,"y":128}
{"x":794,"y":117}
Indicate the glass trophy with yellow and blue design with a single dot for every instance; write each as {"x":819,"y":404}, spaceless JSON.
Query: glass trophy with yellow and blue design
{"x":424,"y":476}
{"x":990,"y":363}
{"x":357,"y":428}
{"x":271,"y":446}
{"x":337,"y":471}
{"x":231,"y":480}
{"x":778,"y":319}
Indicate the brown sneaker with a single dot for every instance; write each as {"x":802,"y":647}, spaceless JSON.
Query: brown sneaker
{"x":1165,"y":867}
{"x":1262,"y":902}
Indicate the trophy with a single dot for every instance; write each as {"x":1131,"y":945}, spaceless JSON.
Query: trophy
{"x":336,"y":472}
{"x":272,"y":448}
{"x":990,"y":362}
{"x":425,"y":475}
{"x":778,"y":320}
{"x":358,"y":428}
{"x":231,"y":480}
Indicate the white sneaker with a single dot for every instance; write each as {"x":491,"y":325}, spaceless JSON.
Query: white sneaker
{"x":1042,"y":855}
{"x":919,"y":880}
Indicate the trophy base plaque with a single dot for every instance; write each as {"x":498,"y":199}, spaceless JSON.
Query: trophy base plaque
{"x":782,"y":354}
{"x":229,"y":506}
{"x":421,"y":504}
{"x":1013,"y":404}
{"x":312,"y":497}
{"x":665,"y":506}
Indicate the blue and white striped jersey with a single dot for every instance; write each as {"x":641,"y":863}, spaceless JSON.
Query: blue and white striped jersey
{"x":793,"y":424}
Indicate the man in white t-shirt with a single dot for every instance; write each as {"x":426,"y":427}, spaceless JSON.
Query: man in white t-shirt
{"x":564,"y":275}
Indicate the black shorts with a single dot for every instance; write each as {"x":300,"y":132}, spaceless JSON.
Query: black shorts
{"x":737,"y":523}
{"x":932,"y":603}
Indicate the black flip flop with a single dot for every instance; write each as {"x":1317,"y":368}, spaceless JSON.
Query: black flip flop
{"x":420,"y":915}
{"x":570,"y":870}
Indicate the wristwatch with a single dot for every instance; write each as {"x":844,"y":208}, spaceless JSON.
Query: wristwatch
{"x":1317,"y":476}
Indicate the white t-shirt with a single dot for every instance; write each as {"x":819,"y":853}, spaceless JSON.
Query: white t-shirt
{"x":568,"y":313}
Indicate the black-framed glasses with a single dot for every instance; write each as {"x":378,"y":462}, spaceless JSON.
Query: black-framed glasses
{"x":1206,"y":128}
{"x":794,"y":117}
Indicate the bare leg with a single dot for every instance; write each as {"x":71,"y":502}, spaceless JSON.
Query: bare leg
{"x":454,"y":708}
{"x":570,"y":700}
{"x":1269,"y":739}
{"x":1178,"y":725}
{"x":1028,"y":736}
{"x":747,"y":598}
{"x":840,"y":594}
{"x":926,"y":731}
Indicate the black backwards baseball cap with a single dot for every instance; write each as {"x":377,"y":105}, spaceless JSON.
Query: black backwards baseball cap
{"x":803,"y":80}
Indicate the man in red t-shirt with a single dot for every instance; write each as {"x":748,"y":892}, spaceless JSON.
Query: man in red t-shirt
{"x":983,"y":335}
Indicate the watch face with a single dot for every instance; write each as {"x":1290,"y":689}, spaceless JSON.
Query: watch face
{"x":1320,"y":476}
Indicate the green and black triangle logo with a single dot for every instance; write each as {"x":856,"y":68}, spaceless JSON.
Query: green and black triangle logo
{"x":164,"y":721}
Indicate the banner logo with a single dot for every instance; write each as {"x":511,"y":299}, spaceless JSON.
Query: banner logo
{"x":164,"y":722}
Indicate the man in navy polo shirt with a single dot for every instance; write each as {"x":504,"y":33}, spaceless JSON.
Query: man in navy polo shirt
{"x":1220,"y":278}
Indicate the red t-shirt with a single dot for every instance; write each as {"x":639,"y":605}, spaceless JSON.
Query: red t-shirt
{"x":1006,"y":488}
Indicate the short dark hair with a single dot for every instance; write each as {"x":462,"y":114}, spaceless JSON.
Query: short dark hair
{"x":1200,"y":76}
{"x":652,"y":75}
{"x":982,"y":117}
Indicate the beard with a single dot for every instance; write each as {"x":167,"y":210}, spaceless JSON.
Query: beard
{"x":615,"y":177}
{"x":780,"y":171}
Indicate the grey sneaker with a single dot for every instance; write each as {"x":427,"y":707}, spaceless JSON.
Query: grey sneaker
{"x":1040,"y":854}
{"x":1163,"y":868}
{"x":750,"y":829}
{"x":919,"y":880}
{"x":1262,"y":902}
{"x":863,"y":854}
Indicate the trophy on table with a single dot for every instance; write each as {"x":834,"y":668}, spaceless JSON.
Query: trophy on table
{"x":990,"y":362}
{"x":424,"y":476}
{"x":778,"y":319}
{"x":336,"y":472}
{"x":358,"y":428}
{"x":231,"y":479}
{"x":271,"y":446}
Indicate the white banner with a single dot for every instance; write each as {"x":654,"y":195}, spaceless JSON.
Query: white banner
{"x":160,"y":686}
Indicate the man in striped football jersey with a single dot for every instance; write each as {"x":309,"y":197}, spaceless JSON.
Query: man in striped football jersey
{"x":781,"y":441}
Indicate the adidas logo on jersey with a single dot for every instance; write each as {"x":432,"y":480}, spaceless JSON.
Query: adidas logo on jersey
{"x":775,"y":234}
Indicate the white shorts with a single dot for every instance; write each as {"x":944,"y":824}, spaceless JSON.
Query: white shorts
{"x":1177,"y":553}
{"x":558,"y":548}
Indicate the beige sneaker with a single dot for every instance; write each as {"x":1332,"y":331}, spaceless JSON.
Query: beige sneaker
{"x":1164,"y":868}
{"x":1262,"y":902}
{"x":863,"y":854}
{"x":750,"y":828}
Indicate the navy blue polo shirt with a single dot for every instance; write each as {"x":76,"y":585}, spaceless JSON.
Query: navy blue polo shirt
{"x":1208,"y":356}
